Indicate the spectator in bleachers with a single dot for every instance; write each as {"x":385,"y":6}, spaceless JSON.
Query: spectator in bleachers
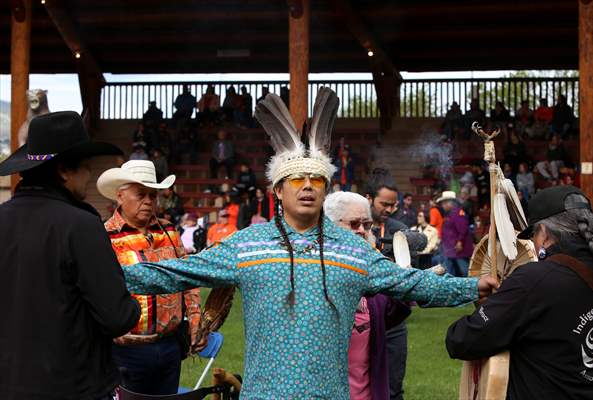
{"x":457,"y":241}
{"x":406,"y":214}
{"x":221,"y":229}
{"x":246,"y":180}
{"x":139,"y":153}
{"x":475,"y":113}
{"x":432,"y":236}
{"x":500,"y":116}
{"x":543,"y":118}
{"x":523,"y":118}
{"x":188,"y":228}
{"x":259,"y":207}
{"x":285,"y":96}
{"x":244,"y":115}
{"x":514,"y":151}
{"x":165,"y":139}
{"x":264,"y":92}
{"x":209,"y":108}
{"x":231,"y":104}
{"x":160,"y":164}
{"x":525,"y":181}
{"x":187,"y":142}
{"x":467,"y":181}
{"x":239,"y":215}
{"x":466,"y":203}
{"x":170,"y":204}
{"x":184,"y":103}
{"x":140,"y":138}
{"x":454,"y":124}
{"x":508,"y":172}
{"x":555,"y":159}
{"x":344,"y":175}
{"x":482,"y":180}
{"x":151,"y":119}
{"x":436,"y":213}
{"x":223,"y":153}
{"x":563,"y":118}
{"x":480,"y":229}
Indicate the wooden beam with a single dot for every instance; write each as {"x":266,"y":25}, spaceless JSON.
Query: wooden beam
{"x":385,"y":75}
{"x":57,"y":12}
{"x":298,"y":59}
{"x":90,"y":76}
{"x":586,"y":95}
{"x":19,"y":71}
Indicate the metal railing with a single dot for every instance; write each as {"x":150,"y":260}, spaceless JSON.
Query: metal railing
{"x":418,"y":98}
{"x":129,"y":100}
{"x":433,"y":97}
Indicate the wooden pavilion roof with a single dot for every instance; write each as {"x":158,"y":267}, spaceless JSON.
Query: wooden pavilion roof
{"x":207,"y":36}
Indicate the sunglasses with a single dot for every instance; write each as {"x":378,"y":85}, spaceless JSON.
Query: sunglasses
{"x":355,"y":224}
{"x":298,"y":180}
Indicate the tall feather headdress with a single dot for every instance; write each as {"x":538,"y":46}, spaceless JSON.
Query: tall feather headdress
{"x":292,"y":157}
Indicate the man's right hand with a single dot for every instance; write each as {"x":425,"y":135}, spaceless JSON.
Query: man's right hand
{"x":486,"y":285}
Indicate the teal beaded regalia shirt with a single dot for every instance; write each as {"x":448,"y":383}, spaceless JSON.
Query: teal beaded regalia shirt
{"x":298,"y":351}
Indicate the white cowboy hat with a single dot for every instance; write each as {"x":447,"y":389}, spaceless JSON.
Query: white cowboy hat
{"x":133,"y":171}
{"x":447,"y":195}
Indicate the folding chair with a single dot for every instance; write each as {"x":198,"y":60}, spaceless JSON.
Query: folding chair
{"x":215,"y":341}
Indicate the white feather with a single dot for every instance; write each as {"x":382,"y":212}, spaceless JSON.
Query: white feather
{"x":517,"y":215}
{"x":504,"y":227}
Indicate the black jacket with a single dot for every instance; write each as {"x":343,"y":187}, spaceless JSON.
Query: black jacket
{"x":543,"y":314}
{"x":63,"y":298}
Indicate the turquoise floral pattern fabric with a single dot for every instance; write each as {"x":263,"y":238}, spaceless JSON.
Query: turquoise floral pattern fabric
{"x":299,"y":351}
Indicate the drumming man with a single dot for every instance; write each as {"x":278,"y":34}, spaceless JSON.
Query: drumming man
{"x":543,"y":313}
{"x":301,"y":276}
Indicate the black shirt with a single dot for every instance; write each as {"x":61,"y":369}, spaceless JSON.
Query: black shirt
{"x":543,"y":314}
{"x":63,"y":299}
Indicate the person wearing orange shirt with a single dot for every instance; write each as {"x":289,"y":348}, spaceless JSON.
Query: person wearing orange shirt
{"x":222,"y":229}
{"x":149,"y":355}
{"x":436,"y":217}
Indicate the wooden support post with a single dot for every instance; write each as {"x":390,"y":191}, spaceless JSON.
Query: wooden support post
{"x":90,"y":85}
{"x":586,"y":95}
{"x":20,"y":49}
{"x":298,"y":59}
{"x":387,"y":82}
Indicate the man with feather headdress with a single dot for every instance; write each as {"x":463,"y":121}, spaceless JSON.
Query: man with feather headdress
{"x":301,"y":276}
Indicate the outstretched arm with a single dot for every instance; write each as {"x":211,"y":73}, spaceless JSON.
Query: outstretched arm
{"x":213,"y":267}
{"x":425,"y":287}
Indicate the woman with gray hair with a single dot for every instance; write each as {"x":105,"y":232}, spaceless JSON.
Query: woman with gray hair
{"x":543,"y":313}
{"x":368,"y":369}
{"x":350,"y":211}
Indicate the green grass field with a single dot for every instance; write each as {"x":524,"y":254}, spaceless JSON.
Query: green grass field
{"x":430,"y":374}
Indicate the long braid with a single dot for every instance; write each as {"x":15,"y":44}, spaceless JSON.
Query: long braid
{"x":286,"y":241}
{"x":320,"y":241}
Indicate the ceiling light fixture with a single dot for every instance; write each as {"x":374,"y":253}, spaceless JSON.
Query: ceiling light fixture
{"x":371,"y":53}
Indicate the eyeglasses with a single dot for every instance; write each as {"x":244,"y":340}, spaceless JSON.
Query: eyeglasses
{"x":355,"y":224}
{"x":298,"y":180}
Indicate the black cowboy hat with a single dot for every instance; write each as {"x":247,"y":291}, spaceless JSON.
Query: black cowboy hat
{"x":55,"y":134}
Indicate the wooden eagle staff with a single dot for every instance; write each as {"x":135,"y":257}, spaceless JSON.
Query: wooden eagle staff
{"x":487,"y":379}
